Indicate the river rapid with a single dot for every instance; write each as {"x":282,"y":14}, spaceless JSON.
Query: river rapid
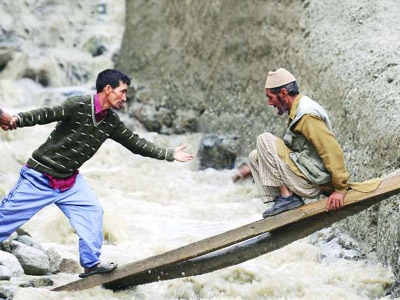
{"x":155,"y":206}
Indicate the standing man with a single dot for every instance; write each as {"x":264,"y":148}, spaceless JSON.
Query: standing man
{"x":51,"y":174}
{"x":307,"y":161}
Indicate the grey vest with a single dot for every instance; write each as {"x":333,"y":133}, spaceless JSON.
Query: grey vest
{"x":304,"y":154}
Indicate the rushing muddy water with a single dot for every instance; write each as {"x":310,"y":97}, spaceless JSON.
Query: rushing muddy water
{"x":154,"y":206}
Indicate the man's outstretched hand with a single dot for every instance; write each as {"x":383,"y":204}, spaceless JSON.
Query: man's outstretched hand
{"x":335,"y":201}
{"x":182,"y":156}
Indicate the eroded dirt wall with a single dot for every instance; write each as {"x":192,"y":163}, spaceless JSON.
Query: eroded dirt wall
{"x":211,"y":56}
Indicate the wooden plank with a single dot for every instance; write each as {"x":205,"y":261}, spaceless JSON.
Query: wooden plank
{"x":241,"y":252}
{"x":307,"y":218}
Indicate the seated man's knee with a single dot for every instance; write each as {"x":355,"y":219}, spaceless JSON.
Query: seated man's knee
{"x":265,"y":138}
{"x":253,"y":155}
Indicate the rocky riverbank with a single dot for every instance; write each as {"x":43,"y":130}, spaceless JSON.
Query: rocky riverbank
{"x":30,"y":264}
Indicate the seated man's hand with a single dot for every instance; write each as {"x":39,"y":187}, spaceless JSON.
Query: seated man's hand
{"x":335,"y":201}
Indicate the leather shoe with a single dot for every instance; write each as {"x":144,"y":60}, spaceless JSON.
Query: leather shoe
{"x":283,"y":204}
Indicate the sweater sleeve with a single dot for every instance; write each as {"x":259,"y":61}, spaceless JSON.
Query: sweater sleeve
{"x":138,"y":145}
{"x":328,"y":148}
{"x":45,"y":115}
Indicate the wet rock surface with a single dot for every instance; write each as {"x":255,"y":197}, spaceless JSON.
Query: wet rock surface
{"x":21,"y":255}
{"x":218,"y":151}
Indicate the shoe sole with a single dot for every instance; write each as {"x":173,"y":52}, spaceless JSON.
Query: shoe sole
{"x":100,"y":270}
{"x":281,"y":210}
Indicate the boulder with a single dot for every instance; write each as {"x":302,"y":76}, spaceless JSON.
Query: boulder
{"x":218,"y":151}
{"x":6,"y":245}
{"x":96,"y":45}
{"x":6,"y":54}
{"x":151,"y":117}
{"x":62,"y":261}
{"x":29,"y":241}
{"x":44,"y":281}
{"x":6,"y":291}
{"x":9,"y":266}
{"x":32,"y":260}
{"x":185,"y":121}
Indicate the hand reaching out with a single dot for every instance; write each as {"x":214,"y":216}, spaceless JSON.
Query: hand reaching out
{"x":182,"y":156}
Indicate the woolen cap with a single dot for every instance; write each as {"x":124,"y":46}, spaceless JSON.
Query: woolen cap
{"x":278,"y":78}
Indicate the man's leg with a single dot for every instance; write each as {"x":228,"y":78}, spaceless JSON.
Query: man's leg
{"x":30,"y":194}
{"x":85,"y":214}
{"x":263,"y":167}
{"x":267,"y":193}
{"x":274,"y":178}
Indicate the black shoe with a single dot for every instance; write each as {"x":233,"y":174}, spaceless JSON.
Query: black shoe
{"x":101,"y":268}
{"x":283,"y":204}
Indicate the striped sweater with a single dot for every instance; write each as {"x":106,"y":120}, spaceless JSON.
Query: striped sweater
{"x":77,"y":136}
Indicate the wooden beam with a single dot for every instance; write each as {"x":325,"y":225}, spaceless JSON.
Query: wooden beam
{"x":283,"y":228}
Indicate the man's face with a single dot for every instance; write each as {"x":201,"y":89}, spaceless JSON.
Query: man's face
{"x":276,"y":101}
{"x":117,"y":96}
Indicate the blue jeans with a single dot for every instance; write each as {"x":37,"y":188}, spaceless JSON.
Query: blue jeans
{"x":79,"y":204}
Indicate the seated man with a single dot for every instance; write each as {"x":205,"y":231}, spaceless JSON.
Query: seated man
{"x":307,"y":161}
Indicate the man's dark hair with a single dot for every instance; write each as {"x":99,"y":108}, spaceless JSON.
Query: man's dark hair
{"x":291,"y":87}
{"x":111,"y":77}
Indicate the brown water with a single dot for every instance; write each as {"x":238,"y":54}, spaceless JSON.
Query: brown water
{"x":154,"y":206}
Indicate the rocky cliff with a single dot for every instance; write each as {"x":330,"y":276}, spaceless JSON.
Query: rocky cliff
{"x":212,"y":57}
